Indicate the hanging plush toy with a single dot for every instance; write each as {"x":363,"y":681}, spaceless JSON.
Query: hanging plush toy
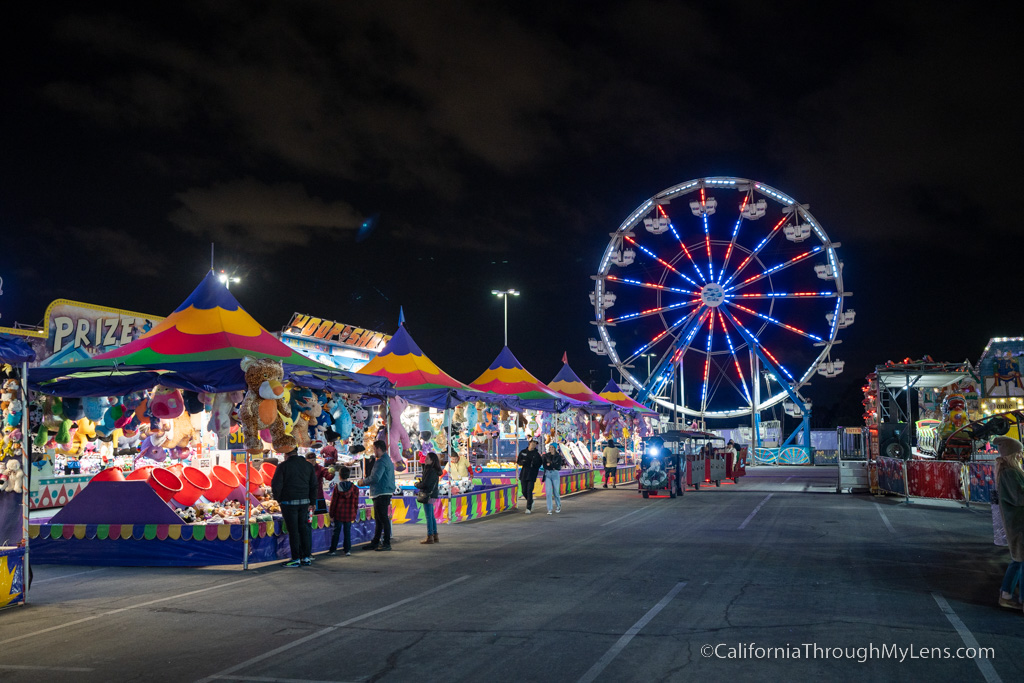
{"x":263,"y":405}
{"x":343,"y":418}
{"x":492,"y":415}
{"x":472,"y":417}
{"x":305,"y":409}
{"x":166,"y":403}
{"x":400,"y":443}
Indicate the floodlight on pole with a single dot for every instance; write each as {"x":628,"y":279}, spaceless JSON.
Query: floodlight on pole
{"x":505,"y":294}
{"x":228,"y":279}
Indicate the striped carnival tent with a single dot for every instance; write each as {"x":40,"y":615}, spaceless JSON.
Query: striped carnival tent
{"x":197,"y":347}
{"x":416,"y":378}
{"x":614,"y":394}
{"x":568,"y":383}
{"x":511,"y":386}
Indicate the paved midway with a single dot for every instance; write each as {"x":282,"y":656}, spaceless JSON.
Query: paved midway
{"x":615,"y":588}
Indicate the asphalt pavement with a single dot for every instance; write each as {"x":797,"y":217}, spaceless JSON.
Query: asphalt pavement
{"x":775,"y":578}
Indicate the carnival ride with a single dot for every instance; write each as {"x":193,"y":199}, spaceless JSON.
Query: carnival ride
{"x":726,"y":301}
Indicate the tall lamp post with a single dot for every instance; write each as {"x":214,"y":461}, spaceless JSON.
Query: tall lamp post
{"x":505,"y":294}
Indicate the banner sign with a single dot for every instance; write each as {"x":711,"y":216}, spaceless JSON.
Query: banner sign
{"x":302,"y":325}
{"x":74,"y":331}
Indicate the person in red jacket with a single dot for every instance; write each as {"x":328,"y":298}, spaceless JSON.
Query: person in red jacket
{"x":344,"y":506}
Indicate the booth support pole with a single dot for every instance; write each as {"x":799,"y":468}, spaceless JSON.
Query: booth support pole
{"x":25,"y":493}
{"x":248,"y":527}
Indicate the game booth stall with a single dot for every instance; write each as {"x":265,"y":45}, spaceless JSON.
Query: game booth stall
{"x":173,"y":498}
{"x":423,"y":418}
{"x":15,"y":355}
{"x":540,"y":414}
{"x":930,"y":424}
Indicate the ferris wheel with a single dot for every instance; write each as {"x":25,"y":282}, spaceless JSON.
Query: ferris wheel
{"x":719,"y":297}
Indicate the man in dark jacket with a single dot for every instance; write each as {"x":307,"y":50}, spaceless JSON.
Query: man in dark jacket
{"x":529,"y":462}
{"x":294,"y":487}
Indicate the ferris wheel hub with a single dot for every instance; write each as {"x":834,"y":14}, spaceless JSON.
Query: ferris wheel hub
{"x":712,"y":295}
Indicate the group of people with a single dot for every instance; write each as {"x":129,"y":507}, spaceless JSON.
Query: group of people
{"x":298,"y":486}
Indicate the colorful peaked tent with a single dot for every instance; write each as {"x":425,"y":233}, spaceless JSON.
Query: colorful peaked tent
{"x":415,"y":376}
{"x":568,"y":383}
{"x":196,"y":347}
{"x":517,"y":389}
{"x":614,"y":394}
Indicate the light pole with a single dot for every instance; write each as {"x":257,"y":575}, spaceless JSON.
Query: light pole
{"x":505,"y":294}
{"x":648,"y":356}
{"x":228,"y":279}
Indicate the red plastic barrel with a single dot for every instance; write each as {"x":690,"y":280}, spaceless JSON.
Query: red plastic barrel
{"x":165,"y":483}
{"x":222,"y":482}
{"x":109,"y":474}
{"x":255,"y":478}
{"x":267,"y":469}
{"x":141,"y":473}
{"x":194,"y":483}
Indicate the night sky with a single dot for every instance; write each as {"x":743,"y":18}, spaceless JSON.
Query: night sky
{"x":500,"y":146}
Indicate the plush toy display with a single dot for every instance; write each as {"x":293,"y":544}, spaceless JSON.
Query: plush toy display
{"x":264,"y":405}
{"x":14,"y":476}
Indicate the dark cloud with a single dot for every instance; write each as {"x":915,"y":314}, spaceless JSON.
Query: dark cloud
{"x":260,"y":217}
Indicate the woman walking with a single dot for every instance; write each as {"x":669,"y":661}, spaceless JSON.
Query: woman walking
{"x":428,"y":485}
{"x":1010,"y":485}
{"x":553,"y":463}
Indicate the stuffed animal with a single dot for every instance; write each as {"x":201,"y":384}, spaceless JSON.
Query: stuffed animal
{"x":264,"y":405}
{"x":399,"y":443}
{"x":472,"y":416}
{"x":360,"y":420}
{"x":305,"y":409}
{"x":15,"y":479}
{"x":166,"y":403}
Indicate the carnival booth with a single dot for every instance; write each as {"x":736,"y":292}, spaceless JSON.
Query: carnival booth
{"x":15,"y":355}
{"x":539,"y":411}
{"x":175,"y":506}
{"x":606,"y":420}
{"x":413,"y":430}
{"x":912,"y":453}
{"x":614,"y":394}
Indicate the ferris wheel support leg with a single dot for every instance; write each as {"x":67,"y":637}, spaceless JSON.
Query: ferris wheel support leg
{"x":805,"y":426}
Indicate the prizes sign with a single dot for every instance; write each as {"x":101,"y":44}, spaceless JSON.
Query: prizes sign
{"x":73,"y":331}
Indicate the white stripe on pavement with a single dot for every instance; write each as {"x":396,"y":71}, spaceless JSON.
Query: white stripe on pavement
{"x":622,"y":642}
{"x":888,"y":525}
{"x":984,"y":665}
{"x":325,"y":631}
{"x":619,"y":519}
{"x":751,"y":515}
{"x":68,"y":576}
{"x":124,"y":609}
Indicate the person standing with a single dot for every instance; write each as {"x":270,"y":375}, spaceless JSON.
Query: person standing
{"x":458,"y":467}
{"x":381,"y":484}
{"x":1010,"y":486}
{"x":529,"y":461}
{"x":553,"y":463}
{"x":344,"y":507}
{"x":611,"y":462}
{"x":294,"y":487}
{"x":428,"y":484}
